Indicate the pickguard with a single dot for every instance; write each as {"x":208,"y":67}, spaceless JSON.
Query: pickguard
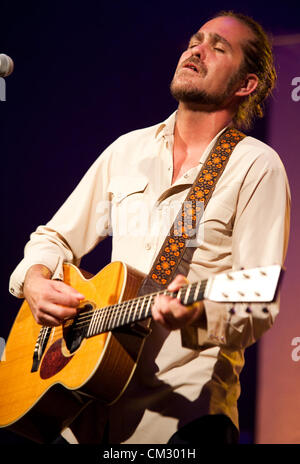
{"x":54,"y":360}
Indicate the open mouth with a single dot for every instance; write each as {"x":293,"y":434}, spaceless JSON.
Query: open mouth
{"x":191,"y":66}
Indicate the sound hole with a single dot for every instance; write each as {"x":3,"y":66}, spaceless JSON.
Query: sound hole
{"x":75,"y":330}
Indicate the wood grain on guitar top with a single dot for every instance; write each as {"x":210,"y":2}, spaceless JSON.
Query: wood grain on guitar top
{"x":101,"y":367}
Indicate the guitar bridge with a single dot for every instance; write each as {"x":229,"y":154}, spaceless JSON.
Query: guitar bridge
{"x":39,"y":348}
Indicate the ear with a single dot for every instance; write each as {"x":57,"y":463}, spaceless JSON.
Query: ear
{"x":248,"y":85}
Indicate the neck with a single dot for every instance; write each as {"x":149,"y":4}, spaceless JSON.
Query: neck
{"x":195,"y":128}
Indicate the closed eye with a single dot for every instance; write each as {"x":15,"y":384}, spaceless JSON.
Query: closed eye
{"x":221,"y":50}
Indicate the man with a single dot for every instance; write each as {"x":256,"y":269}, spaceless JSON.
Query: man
{"x":186,"y":384}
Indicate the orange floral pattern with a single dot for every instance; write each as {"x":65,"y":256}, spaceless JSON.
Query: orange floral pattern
{"x":185,"y":224}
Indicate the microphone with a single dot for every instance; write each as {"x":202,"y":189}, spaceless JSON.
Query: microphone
{"x":6,"y":65}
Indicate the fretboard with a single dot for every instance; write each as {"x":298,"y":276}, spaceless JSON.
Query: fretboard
{"x":111,"y":317}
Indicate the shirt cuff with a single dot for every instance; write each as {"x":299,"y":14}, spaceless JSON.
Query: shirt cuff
{"x":234,"y":326}
{"x":211,"y":330}
{"x":16,"y":283}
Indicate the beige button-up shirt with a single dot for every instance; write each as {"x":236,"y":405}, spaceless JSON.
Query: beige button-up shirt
{"x":128,"y":192}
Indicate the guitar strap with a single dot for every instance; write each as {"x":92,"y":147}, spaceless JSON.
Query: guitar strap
{"x":183,"y":232}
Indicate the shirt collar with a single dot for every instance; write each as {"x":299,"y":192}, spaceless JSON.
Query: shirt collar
{"x":166,"y":128}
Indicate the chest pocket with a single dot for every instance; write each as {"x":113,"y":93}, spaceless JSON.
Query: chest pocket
{"x":122,"y":187}
{"x":128,"y":203}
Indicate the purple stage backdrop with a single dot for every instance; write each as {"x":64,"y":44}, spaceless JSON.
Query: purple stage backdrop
{"x":278,"y":395}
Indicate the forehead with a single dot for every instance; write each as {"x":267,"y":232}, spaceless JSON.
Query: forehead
{"x":231,"y":29}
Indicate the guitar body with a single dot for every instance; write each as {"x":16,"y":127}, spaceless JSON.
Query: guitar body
{"x":49,"y":375}
{"x":41,"y":403}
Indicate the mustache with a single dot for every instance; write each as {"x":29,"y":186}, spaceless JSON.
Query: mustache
{"x":197,"y":62}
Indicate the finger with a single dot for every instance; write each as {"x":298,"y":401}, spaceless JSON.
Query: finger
{"x":65,"y":295}
{"x":46,"y":319}
{"x":177,"y":283}
{"x":168,"y":312}
{"x":63,"y":287}
{"x":159,"y":307}
{"x":173,"y":315}
{"x":60,"y":312}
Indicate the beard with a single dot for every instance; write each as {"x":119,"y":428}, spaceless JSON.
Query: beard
{"x":187,"y":93}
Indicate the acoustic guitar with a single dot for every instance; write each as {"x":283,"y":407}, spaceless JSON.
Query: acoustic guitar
{"x":49,"y":374}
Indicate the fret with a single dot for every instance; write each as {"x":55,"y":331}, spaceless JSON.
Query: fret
{"x":197,"y":290}
{"x":192,"y":296}
{"x":200,"y":294}
{"x":97,"y":321}
{"x":179,"y":293}
{"x":94,"y":323}
{"x":186,"y":298}
{"x":104,"y":327}
{"x":105,"y":313}
{"x":111,"y":317}
{"x":126,"y":310}
{"x":148,"y":305}
{"x":141,"y":308}
{"x":101,"y":318}
{"x":123,"y":307}
{"x":90,"y":331}
{"x":119,"y":314}
{"x":151,"y":302}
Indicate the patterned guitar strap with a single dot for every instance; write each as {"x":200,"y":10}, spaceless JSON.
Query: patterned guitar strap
{"x":182,"y":237}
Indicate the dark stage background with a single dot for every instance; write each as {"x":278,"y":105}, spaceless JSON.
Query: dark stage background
{"x":85,"y":73}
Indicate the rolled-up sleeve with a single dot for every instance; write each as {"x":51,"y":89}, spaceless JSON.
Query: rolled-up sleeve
{"x":81,"y":222}
{"x":259,"y":238}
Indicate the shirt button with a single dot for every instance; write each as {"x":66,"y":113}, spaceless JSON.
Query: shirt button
{"x":186,"y":176}
{"x":148,"y":246}
{"x":12,"y":290}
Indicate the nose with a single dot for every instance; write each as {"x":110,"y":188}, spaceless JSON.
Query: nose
{"x":199,"y":51}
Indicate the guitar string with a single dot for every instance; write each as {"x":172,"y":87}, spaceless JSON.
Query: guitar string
{"x":125,"y":308}
{"x":102,"y":316}
{"x":120,"y":306}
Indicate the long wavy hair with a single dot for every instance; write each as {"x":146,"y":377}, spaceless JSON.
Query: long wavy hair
{"x":259,"y":60}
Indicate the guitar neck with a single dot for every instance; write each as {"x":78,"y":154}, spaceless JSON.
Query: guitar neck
{"x":137,"y":309}
{"x":242,"y":286}
{"x":252,"y":285}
